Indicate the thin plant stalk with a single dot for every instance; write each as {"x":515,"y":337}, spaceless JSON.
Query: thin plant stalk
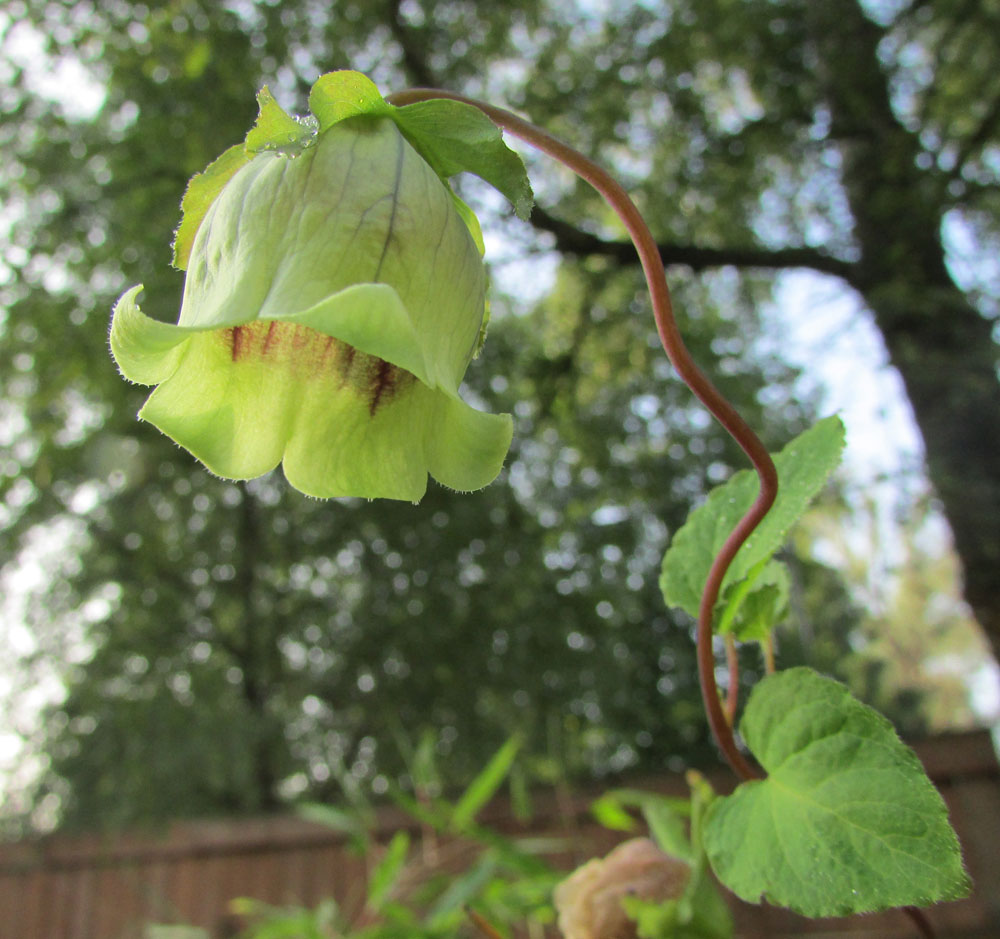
{"x":693,"y":377}
{"x":732,"y":692}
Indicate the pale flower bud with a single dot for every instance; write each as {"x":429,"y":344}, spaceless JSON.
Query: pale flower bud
{"x":589,"y":901}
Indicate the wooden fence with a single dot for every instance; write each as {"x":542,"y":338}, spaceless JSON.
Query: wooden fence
{"x":94,"y":887}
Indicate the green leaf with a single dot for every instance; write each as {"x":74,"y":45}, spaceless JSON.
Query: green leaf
{"x":423,"y":767}
{"x":485,"y":785}
{"x":668,"y":826}
{"x":455,"y":137}
{"x":351,"y":823}
{"x":337,"y":96}
{"x":609,"y":811}
{"x":846,"y":822}
{"x":462,"y":889}
{"x":520,"y":794}
{"x":387,"y":871}
{"x":275,"y":130}
{"x":666,"y":817}
{"x":201,"y":192}
{"x":752,"y":614}
{"x":700,"y":914}
{"x":167,"y":931}
{"x":654,"y":920}
{"x":803,"y":467}
{"x":274,"y":922}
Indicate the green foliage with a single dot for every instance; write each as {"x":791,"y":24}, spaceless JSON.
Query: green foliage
{"x":676,"y":825}
{"x":165,"y":931}
{"x":485,"y":785}
{"x":455,"y":137}
{"x":274,"y":129}
{"x":846,"y":821}
{"x":503,"y":881}
{"x":279,"y":923}
{"x":757,"y":604}
{"x":700,"y":912}
{"x":756,"y":588}
{"x":387,"y":871}
{"x":337,"y":96}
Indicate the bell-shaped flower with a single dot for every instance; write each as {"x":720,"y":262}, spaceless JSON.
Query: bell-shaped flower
{"x":334,"y":297}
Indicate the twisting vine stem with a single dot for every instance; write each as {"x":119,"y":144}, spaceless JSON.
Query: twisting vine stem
{"x":920,"y":920}
{"x":673,"y":344}
{"x":720,"y":719}
{"x":732,"y":692}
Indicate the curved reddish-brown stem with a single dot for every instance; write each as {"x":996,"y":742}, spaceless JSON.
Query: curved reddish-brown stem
{"x":732,"y":692}
{"x":673,"y":344}
{"x":920,"y":920}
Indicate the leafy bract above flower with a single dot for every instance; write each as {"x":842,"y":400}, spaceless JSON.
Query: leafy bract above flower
{"x":335,"y":295}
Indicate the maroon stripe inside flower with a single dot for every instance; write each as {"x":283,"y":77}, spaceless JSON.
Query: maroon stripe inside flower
{"x":314,"y":355}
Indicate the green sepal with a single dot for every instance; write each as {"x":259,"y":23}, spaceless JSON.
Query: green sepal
{"x":275,"y":129}
{"x":339,"y":95}
{"x":471,"y":222}
{"x":452,"y":136}
{"x":455,"y":137}
{"x":199,"y":195}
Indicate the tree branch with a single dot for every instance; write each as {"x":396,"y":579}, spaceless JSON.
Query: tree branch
{"x":977,"y":140}
{"x":572,"y":240}
{"x":413,"y":59}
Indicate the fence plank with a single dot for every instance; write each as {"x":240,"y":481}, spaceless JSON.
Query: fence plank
{"x":99,"y":887}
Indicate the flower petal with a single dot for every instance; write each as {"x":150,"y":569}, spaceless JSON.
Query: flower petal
{"x":146,"y":350}
{"x":372,"y":319}
{"x":345,"y":423}
{"x":359,"y":207}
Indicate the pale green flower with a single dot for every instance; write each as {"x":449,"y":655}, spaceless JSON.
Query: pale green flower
{"x":335,"y":295}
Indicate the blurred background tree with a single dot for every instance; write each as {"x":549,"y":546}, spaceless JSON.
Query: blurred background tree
{"x":227,"y":647}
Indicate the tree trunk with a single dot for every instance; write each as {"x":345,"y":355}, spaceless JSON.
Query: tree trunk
{"x":941,"y":345}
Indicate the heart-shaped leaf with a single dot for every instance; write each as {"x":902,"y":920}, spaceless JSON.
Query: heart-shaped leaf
{"x":846,"y":821}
